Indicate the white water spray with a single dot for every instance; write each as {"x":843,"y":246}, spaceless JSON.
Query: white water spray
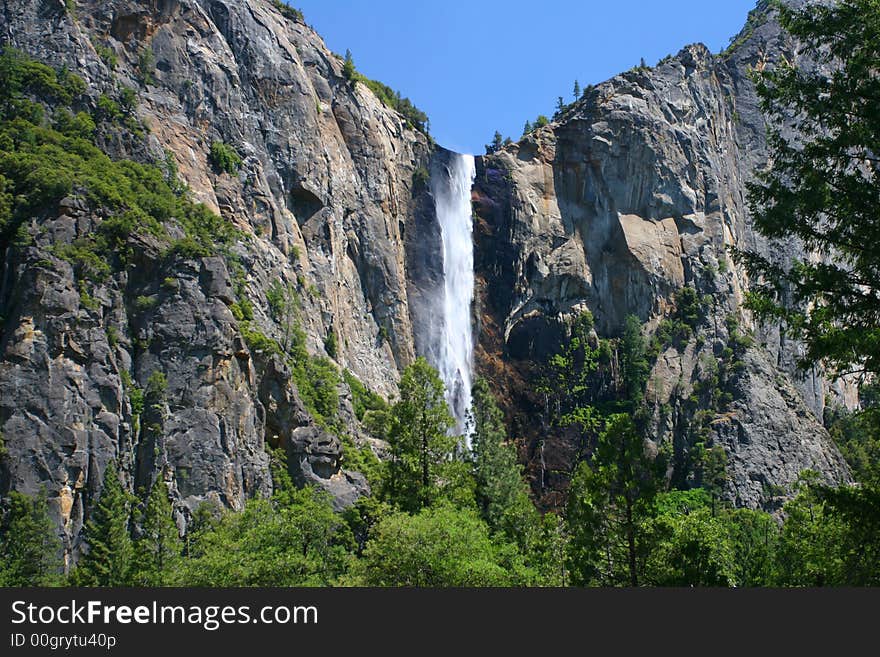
{"x":455,"y":351}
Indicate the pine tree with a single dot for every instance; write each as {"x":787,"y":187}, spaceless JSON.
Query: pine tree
{"x":610,"y":501}
{"x":502,"y":494}
{"x":158,"y":550}
{"x":348,"y":69}
{"x":420,"y":444}
{"x":497,"y":143}
{"x":108,"y":561}
{"x":29,"y":545}
{"x":823,"y":187}
{"x":527,"y":128}
{"x":577,"y":90}
{"x":634,"y":364}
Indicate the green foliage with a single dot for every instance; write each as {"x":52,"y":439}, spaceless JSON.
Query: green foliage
{"x":108,"y":109}
{"x":609,"y":509}
{"x":348,"y":68}
{"x":634,"y":365}
{"x":418,"y":436}
{"x":693,"y":549}
{"x":80,"y":125}
{"x":392,"y":99}
{"x":331,"y":345}
{"x":501,"y":492}
{"x":144,"y":303}
{"x":30,"y":550}
{"x":224,"y":158}
{"x":110,"y":556}
{"x":288,"y":12}
{"x":857,"y":435}
{"x":362,"y":398}
{"x":257,"y":341}
{"x":158,"y":549}
{"x":294,"y":541}
{"x":440,"y":546}
{"x":753,"y":536}
{"x":40,"y":165}
{"x":831,"y":537}
{"x":420,"y":179}
{"x":317,"y":380}
{"x":157,"y":385}
{"x":147,"y":66}
{"x":755,"y":18}
{"x":496,"y":145}
{"x":822,"y":187}
{"x":689,"y":313}
{"x":106,"y":54}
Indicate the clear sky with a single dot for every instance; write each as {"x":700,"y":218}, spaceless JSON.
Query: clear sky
{"x":476,"y":66}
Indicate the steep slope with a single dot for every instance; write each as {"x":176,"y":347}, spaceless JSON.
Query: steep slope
{"x":631,"y":194}
{"x":190,"y":359}
{"x":323,"y":201}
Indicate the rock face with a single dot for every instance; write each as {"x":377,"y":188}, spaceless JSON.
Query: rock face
{"x":634,"y":192}
{"x":323,"y":200}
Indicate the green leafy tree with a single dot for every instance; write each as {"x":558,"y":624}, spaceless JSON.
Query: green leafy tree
{"x":610,"y":502}
{"x":420,"y":444}
{"x":439,"y":546}
{"x":30,"y":550}
{"x":158,"y":550}
{"x":569,"y":381}
{"x":857,"y":435}
{"x":501,"y":492}
{"x":692,"y":547}
{"x":753,"y":536}
{"x":109,"y":559}
{"x":831,"y":536}
{"x":822,"y":186}
{"x":295,"y":540}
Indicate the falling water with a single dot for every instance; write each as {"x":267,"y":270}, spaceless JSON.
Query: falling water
{"x":455,"y":351}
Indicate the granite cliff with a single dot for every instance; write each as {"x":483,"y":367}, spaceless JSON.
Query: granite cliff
{"x":631,"y":194}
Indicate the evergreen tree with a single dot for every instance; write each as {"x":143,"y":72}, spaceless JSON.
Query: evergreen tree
{"x":29,"y":545}
{"x":634,"y":364}
{"x":419,"y":439}
{"x":610,"y":502}
{"x":527,"y":128}
{"x":501,"y":492}
{"x":823,"y":186}
{"x":109,"y":559}
{"x":158,"y":550}
{"x":348,"y":69}
{"x":577,"y":90}
{"x":497,"y":143}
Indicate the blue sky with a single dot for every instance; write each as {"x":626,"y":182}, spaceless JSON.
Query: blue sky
{"x":477,"y":66}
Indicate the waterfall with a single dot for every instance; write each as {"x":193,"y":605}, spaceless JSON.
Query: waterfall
{"x":454,"y":353}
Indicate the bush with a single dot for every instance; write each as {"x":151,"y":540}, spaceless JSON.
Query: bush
{"x":224,"y":158}
{"x":288,"y":12}
{"x":147,"y":66}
